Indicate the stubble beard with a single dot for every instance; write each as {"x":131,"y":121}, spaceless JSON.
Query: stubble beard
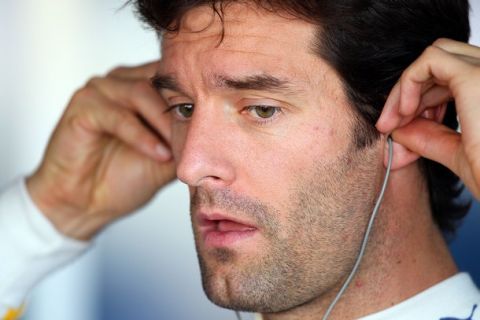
{"x":329,"y":208}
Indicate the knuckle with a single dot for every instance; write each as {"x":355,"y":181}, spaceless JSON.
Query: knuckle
{"x":83,"y":94}
{"x":79,"y":121}
{"x":430,"y":52}
{"x":94,"y":82}
{"x":406,"y":74}
{"x":117,"y":71}
{"x":429,"y":55}
{"x":442,"y":42}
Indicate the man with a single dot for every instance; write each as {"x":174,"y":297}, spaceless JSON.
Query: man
{"x":267,"y":111}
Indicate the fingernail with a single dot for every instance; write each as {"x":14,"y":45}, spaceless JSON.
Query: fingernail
{"x":428,"y":114}
{"x":162,"y":151}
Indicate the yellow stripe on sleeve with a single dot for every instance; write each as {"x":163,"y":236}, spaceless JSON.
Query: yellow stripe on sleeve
{"x":13,"y":314}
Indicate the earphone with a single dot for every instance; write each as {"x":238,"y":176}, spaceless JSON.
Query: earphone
{"x":361,"y":252}
{"x":368,"y":230}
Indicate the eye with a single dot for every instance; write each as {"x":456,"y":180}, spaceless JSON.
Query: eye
{"x":183,"y":111}
{"x":264,"y":112}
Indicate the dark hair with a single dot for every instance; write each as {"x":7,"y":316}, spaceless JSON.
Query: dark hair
{"x":369,"y":43}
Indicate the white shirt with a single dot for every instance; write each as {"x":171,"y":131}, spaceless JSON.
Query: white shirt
{"x":452,"y":299}
{"x":455,"y":298}
{"x":31,"y":248}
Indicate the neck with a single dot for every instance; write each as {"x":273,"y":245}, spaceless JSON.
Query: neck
{"x":406,"y":254}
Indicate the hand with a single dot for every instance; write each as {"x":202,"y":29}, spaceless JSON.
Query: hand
{"x":102,"y":161}
{"x":446,"y":70}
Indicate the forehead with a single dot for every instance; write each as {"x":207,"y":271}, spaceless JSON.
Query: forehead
{"x":254,"y":39}
{"x":241,"y":20}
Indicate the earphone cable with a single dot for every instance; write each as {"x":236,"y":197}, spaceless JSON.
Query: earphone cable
{"x":239,"y":317}
{"x":367,"y":233}
{"x":363,"y":247}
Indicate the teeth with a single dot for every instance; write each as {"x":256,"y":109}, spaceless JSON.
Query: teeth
{"x":229,"y":226}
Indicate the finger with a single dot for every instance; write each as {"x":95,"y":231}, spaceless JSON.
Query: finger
{"x":437,"y":64}
{"x":456,"y":47}
{"x":144,"y":71}
{"x":435,"y":96}
{"x":390,"y":118}
{"x":420,"y":89}
{"x":432,"y":106}
{"x":467,"y":101}
{"x":99,"y":115}
{"x":431,"y":140}
{"x":138,"y":96}
{"x":443,"y":145}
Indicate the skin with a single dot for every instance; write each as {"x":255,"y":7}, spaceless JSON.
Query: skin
{"x":446,"y":70}
{"x":276,"y":165}
{"x":312,"y":211}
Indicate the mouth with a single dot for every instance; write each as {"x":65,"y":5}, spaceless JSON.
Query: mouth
{"x":218,"y":230}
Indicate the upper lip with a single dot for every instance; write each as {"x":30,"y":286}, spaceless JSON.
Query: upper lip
{"x":210,"y":220}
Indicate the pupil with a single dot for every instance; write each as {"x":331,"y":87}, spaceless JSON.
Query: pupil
{"x":186,"y":110}
{"x":265,"y":112}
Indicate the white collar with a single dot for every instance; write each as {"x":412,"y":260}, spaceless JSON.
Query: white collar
{"x":451,"y":299}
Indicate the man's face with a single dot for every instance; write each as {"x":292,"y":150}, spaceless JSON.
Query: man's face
{"x":262,"y":134}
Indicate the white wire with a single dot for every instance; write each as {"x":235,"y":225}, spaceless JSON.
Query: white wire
{"x":365,"y":237}
{"x":367,"y":233}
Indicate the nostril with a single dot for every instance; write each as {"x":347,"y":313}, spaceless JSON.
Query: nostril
{"x":198,"y":167}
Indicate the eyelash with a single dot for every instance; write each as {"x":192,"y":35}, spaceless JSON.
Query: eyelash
{"x":175,"y":107}
{"x":257,"y":119}
{"x":264,"y":121}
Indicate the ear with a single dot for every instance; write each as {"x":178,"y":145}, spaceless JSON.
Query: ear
{"x":402,"y":156}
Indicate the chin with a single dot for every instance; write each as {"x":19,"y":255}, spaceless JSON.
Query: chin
{"x":223,"y":293}
{"x":247,"y":301}
{"x":232,"y":287}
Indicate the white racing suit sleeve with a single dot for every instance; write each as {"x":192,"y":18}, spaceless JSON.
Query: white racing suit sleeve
{"x":30,"y":247}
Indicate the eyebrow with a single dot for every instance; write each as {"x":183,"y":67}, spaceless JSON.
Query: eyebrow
{"x":160,"y":82}
{"x":261,"y":82}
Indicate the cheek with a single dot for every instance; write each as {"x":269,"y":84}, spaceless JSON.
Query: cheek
{"x":281,"y":165}
{"x":271,"y":172}
{"x":292,"y":167}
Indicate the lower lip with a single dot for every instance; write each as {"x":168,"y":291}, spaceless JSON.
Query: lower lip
{"x":226,"y":238}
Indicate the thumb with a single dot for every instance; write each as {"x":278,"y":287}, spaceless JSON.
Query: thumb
{"x":431,"y":140}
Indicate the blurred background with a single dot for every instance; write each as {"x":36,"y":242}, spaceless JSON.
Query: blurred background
{"x":145,"y":266}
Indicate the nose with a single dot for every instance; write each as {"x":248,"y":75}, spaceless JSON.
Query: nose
{"x":206,"y":155}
